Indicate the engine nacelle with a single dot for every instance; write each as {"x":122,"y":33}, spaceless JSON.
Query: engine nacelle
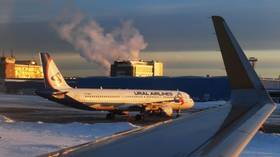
{"x":167,"y":109}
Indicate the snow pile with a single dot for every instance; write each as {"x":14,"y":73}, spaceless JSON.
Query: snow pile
{"x":32,"y":139}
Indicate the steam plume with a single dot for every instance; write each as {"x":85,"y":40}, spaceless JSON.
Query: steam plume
{"x":94,"y":45}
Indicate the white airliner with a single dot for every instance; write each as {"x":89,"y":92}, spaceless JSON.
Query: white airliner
{"x":116,"y":101}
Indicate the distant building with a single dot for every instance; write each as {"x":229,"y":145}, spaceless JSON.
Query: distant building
{"x":10,"y":68}
{"x":137,"y":68}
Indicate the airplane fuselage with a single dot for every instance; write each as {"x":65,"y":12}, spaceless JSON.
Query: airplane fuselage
{"x":119,"y":99}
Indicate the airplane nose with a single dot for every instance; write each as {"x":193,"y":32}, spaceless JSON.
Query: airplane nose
{"x":191,"y":103}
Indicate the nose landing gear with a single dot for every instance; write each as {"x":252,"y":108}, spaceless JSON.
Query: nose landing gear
{"x":112,"y":114}
{"x":178,"y":113}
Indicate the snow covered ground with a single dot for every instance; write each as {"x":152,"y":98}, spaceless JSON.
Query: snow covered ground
{"x":25,"y":139}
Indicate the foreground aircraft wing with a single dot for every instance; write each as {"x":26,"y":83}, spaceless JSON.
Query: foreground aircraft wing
{"x":218,"y":132}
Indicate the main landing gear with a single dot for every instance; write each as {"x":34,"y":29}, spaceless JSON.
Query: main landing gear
{"x":110,"y":116}
{"x":153,"y":115}
{"x":178,"y":113}
{"x":139,"y":117}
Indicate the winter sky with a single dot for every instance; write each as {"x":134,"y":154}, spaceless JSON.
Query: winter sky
{"x":178,"y":32}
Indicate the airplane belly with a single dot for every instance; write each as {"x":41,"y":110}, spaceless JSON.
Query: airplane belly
{"x":102,"y":107}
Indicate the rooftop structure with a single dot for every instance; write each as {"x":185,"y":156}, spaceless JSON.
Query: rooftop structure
{"x":137,"y":68}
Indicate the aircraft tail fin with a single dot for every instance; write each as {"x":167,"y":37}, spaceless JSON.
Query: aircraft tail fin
{"x":52,"y":76}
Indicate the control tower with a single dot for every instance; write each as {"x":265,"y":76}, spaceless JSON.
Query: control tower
{"x":253,"y":61}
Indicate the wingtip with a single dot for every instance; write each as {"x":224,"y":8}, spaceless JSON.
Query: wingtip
{"x":217,"y":18}
{"x":240,"y":72}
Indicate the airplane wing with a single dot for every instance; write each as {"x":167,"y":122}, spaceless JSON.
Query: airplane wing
{"x":217,"y":132}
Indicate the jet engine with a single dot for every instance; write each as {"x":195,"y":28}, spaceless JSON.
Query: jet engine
{"x":167,"y":109}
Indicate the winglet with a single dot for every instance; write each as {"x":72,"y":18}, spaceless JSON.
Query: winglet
{"x":240,"y":73}
{"x":247,"y":90}
{"x":249,"y":100}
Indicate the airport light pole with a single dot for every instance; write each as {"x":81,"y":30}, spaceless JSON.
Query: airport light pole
{"x":253,"y":61}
